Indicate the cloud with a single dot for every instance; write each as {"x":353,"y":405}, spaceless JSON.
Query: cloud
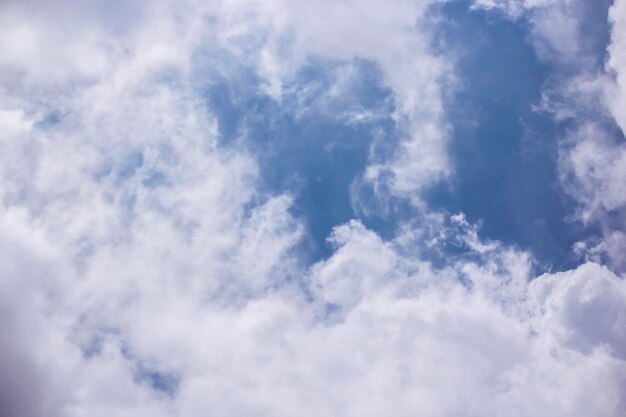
{"x":384,"y":334}
{"x":146,"y":270}
{"x":28,"y":385}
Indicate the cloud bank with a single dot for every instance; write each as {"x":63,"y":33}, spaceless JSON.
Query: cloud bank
{"x":149,"y":268}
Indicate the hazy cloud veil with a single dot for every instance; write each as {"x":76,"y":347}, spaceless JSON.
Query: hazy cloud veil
{"x":167,"y":169}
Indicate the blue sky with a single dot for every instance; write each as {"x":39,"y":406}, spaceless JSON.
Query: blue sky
{"x":503,"y":151}
{"x":324,"y":208}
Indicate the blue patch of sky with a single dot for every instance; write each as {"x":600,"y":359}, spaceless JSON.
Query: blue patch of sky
{"x":309,"y":144}
{"x":129,"y":166}
{"x":144,"y":372}
{"x":154,"y":178}
{"x":163,"y":382}
{"x":50,"y":120}
{"x":595,"y":29}
{"x":505,"y":154}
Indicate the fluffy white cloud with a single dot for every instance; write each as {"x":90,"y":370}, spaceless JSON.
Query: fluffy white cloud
{"x":398,"y":336}
{"x":143,"y":273}
{"x":593,"y":169}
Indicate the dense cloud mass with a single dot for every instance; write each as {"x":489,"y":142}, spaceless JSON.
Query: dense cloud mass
{"x":226,"y":208}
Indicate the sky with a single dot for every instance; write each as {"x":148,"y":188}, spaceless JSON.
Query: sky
{"x":318,"y":208}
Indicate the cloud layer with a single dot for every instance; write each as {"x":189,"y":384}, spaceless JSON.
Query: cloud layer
{"x":149,"y":267}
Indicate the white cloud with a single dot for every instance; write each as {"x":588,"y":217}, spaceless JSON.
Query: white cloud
{"x":143,"y":272}
{"x":410,"y":338}
{"x":582,"y":309}
{"x":27,"y":385}
{"x":419,"y":341}
{"x":593,"y":169}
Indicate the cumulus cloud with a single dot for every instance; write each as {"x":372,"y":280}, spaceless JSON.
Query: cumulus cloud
{"x":146,"y":271}
{"x":383,"y":334}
